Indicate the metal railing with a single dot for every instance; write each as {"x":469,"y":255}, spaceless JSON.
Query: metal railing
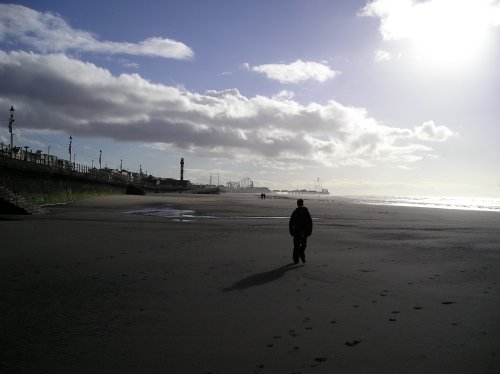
{"x":20,"y":158}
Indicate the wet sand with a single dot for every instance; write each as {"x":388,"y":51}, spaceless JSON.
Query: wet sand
{"x":90,"y":289}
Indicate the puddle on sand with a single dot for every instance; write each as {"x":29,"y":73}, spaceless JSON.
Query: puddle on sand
{"x":175,"y":214}
{"x":184,"y":215}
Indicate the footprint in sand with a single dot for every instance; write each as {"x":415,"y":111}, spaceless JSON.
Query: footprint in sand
{"x":308,"y":328}
{"x":270,"y":345}
{"x":395,"y":312}
{"x":306,"y":319}
{"x":333,"y":322}
{"x":418,"y":308}
{"x":320,"y":359}
{"x":448,"y":302}
{"x":352,"y":343}
{"x":293,"y":334}
{"x":258,"y":368}
{"x":294,"y":349}
{"x":392,"y":319}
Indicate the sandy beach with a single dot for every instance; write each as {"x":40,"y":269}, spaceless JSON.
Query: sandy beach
{"x":89,"y":288}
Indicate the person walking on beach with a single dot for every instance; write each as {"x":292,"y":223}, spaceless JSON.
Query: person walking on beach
{"x":300,"y":227}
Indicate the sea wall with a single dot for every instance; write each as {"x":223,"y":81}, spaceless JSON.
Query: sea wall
{"x":43,"y":186}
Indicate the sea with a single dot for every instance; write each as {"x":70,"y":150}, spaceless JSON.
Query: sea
{"x":460,"y":203}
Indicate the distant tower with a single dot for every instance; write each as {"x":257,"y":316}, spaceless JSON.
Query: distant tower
{"x":182,"y":168}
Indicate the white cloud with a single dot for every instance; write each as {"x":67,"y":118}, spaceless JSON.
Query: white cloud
{"x":284,"y":95}
{"x":48,"y":32}
{"x":59,"y":93}
{"x":430,"y":132}
{"x":296,"y":72}
{"x":381,"y":55}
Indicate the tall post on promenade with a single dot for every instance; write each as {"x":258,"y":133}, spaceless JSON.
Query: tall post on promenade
{"x":100,"y":156}
{"x":11,"y":130}
{"x":69,"y":148}
{"x":182,"y":168}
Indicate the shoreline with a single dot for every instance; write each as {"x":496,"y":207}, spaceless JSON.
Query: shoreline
{"x":88,"y":288}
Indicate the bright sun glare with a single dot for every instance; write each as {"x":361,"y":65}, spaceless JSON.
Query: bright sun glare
{"x":444,"y":34}
{"x":439,"y":32}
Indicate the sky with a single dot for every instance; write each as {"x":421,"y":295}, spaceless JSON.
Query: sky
{"x":382,"y":97}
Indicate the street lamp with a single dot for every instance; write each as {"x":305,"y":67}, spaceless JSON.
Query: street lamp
{"x":11,"y":122}
{"x":69,"y":149}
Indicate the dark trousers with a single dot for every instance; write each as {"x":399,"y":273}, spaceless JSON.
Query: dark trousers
{"x":299,"y":246}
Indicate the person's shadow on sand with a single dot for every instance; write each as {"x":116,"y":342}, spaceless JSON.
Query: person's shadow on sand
{"x":261,"y":278}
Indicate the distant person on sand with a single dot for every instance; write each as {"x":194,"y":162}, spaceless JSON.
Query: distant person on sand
{"x":300,"y":227}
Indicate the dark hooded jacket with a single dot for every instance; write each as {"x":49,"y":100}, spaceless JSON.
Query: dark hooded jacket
{"x":300,"y":221}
